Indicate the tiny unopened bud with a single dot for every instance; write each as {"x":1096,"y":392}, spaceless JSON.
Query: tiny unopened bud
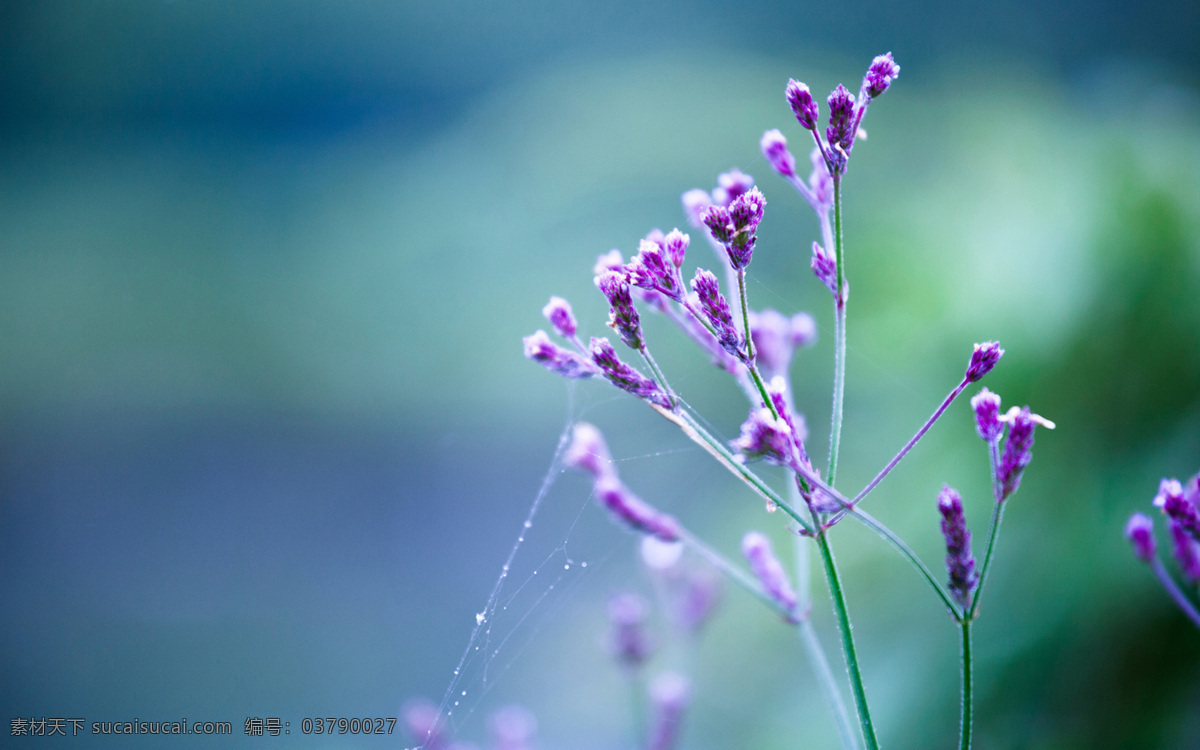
{"x":623,"y":316}
{"x":625,"y":377}
{"x":987,"y":415}
{"x":983,"y":359}
{"x":880,"y":74}
{"x":765,"y":437}
{"x":841,"y":129}
{"x":1173,"y":502}
{"x":960,"y":563}
{"x":716,"y":310}
{"x":558,"y":312}
{"x":768,"y":570}
{"x":824,"y":267}
{"x":676,"y":244}
{"x":1140,"y":533}
{"x":670,"y":694}
{"x":628,"y":640}
{"x":588,"y":452}
{"x":554,"y":358}
{"x":634,"y":512}
{"x":775,"y":151}
{"x":719,"y":223}
{"x":651,"y":268}
{"x":802,"y":104}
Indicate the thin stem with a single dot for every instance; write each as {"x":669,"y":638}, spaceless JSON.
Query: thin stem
{"x":808,"y":637}
{"x":658,"y":375}
{"x":741,"y":280}
{"x":735,"y":574}
{"x":993,"y":534}
{"x":839,"y":334}
{"x":915,"y":438}
{"x":1179,"y":597}
{"x":968,"y":706}
{"x":907,"y":553}
{"x":843,"y":617}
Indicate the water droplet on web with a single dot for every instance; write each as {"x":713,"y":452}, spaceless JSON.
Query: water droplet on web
{"x":567,"y":566}
{"x":479,"y":618}
{"x":465,"y":692}
{"x":455,"y":703}
{"x":528,"y":524}
{"x":583,"y":565}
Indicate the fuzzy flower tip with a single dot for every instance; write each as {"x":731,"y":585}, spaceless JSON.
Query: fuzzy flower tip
{"x":802,"y":103}
{"x":1173,"y":501}
{"x":629,"y":642}
{"x":670,"y":694}
{"x":558,"y":312}
{"x":960,"y":563}
{"x":1140,"y":533}
{"x":880,"y":74}
{"x":768,"y":570}
{"x":987,"y":415}
{"x":623,"y":316}
{"x":745,"y":214}
{"x":983,"y":359}
{"x":633,"y":512}
{"x":775,"y":151}
{"x":765,"y":437}
{"x":589,"y":453}
{"x":716,"y":311}
{"x":824,"y":267}
{"x":625,"y":377}
{"x":654,"y":268}
{"x":1018,"y":448}
{"x":841,"y":118}
{"x":554,"y":358}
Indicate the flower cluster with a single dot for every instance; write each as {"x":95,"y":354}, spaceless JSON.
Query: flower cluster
{"x":1180,"y":503}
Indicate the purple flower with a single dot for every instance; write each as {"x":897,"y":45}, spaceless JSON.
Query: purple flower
{"x":695,"y":204}
{"x":623,"y":317}
{"x":768,"y":570}
{"x":633,"y":512}
{"x":625,"y":377}
{"x":719,"y":223}
{"x":651,"y":268}
{"x":987,"y":415}
{"x":765,"y":437}
{"x":628,"y":640}
{"x":1172,"y":501}
{"x":1018,"y":448}
{"x":841,"y":130}
{"x":745,"y":213}
{"x":795,"y":422}
{"x":512,"y":728}
{"x":1140,"y":533}
{"x":558,"y":312}
{"x":670,"y":694}
{"x":697,"y":599}
{"x":588,"y":452}
{"x":880,"y":74}
{"x":676,"y":244}
{"x":730,"y":185}
{"x":802,"y":104}
{"x":960,"y":563}
{"x":983,"y":359}
{"x":775,"y":151}
{"x":716,"y":311}
{"x":540,"y":348}
{"x":824,"y":266}
{"x":1187,"y":551}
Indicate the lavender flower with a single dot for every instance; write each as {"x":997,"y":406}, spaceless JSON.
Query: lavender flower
{"x":633,"y":512}
{"x":676,"y":244}
{"x":983,"y":359}
{"x":697,"y":599}
{"x":987,"y":415}
{"x":795,"y":422}
{"x":628,"y":640}
{"x":622,"y":317}
{"x":588,"y":452}
{"x":651,"y":268}
{"x":1187,"y":551}
{"x":670,"y":694}
{"x":802,"y":104}
{"x":880,"y":74}
{"x":775,"y":151}
{"x":540,"y":348}
{"x":625,"y":377}
{"x":765,"y":437}
{"x":768,"y":570}
{"x":719,"y":223}
{"x":716,"y":311}
{"x":730,"y":185}
{"x":824,"y":266}
{"x":1171,"y":500}
{"x":558,"y":312}
{"x":745,"y":213}
{"x":1140,"y":533}
{"x":841,"y":130}
{"x":512,"y":728}
{"x":1018,"y":448}
{"x":959,"y":561}
{"x":695,"y":204}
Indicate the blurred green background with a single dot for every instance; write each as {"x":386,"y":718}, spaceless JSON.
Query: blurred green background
{"x":267,"y":437}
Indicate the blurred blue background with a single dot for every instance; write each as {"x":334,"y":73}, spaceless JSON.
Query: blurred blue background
{"x":266,"y":434}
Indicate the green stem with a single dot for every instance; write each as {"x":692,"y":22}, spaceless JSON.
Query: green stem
{"x":741,"y":280}
{"x":843,"y":617}
{"x":997,"y":516}
{"x":658,"y":375}
{"x":968,"y":706}
{"x":839,"y":333}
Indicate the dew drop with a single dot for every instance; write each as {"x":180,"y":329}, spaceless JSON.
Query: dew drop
{"x":528,"y":524}
{"x":567,"y":566}
{"x":456,"y":703}
{"x":521,"y":538}
{"x":465,"y":692}
{"x":583,"y":565}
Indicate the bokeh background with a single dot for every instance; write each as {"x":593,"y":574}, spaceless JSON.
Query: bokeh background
{"x":267,"y":437}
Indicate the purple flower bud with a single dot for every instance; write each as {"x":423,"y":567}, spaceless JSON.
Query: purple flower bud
{"x":719,"y":223}
{"x":775,"y":151}
{"x":730,"y":185}
{"x":841,"y":118}
{"x":824,"y":266}
{"x":512,"y":728}
{"x":747,"y":210}
{"x":622,"y":317}
{"x":880,"y":75}
{"x":765,"y":437}
{"x":1171,"y":500}
{"x":987,"y":415}
{"x":695,"y":204}
{"x":716,"y":310}
{"x":768,"y":570}
{"x":610,"y":261}
{"x":795,"y":422}
{"x":983,"y":359}
{"x":960,"y":563}
{"x":588,"y":452}
{"x":803,"y":104}
{"x":676,"y":244}
{"x":670,"y":694}
{"x":652,"y":269}
{"x":698,"y":597}
{"x":633,"y":512}
{"x":1018,"y":448}
{"x":1187,"y":551}
{"x":628,"y":640}
{"x":558,"y":312}
{"x":540,"y":348}
{"x":625,"y":377}
{"x":1140,"y":533}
